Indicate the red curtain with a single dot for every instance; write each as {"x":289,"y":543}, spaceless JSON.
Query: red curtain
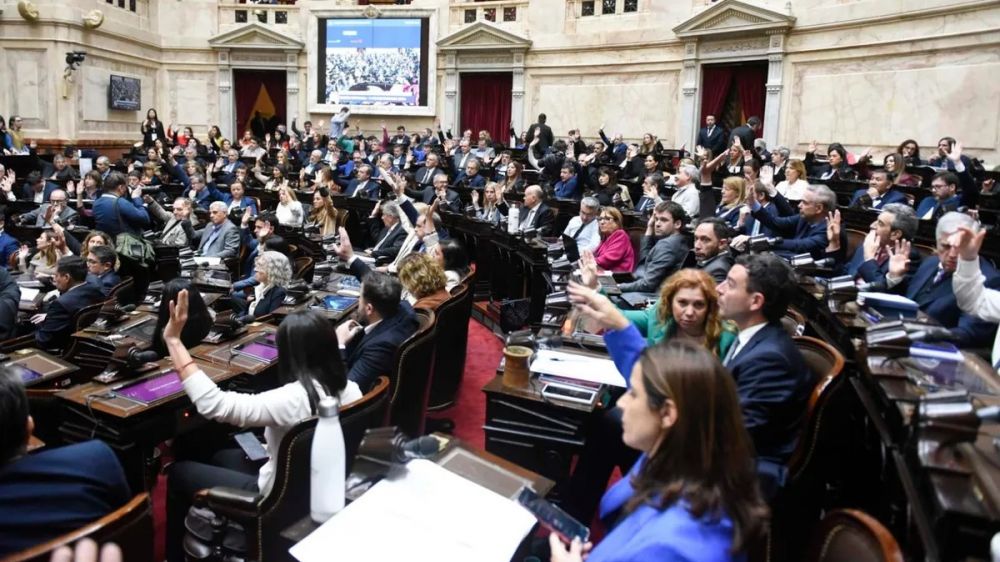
{"x":486,"y":103}
{"x":751,"y":81}
{"x":715,"y":84}
{"x":259,"y":90}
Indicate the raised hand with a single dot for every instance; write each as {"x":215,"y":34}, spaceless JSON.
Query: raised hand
{"x":870,"y":245}
{"x":968,"y":242}
{"x":737,"y":142}
{"x":178,"y":317}
{"x":588,"y":269}
{"x":833,"y":227}
{"x":899,"y":258}
{"x":812,"y":147}
{"x":344,"y":250}
{"x":956,"y":152}
{"x":475,"y":198}
{"x":767,"y":175}
{"x":597,"y":307}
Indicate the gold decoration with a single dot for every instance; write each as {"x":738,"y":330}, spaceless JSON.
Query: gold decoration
{"x":28,"y":10}
{"x":93,"y":19}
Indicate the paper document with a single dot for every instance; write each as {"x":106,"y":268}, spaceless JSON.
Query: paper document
{"x":428,"y":514}
{"x":889,"y":298}
{"x":29,"y":294}
{"x":580,"y":367}
{"x":86,"y":165}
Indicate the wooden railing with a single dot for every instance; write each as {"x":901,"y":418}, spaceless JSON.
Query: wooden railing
{"x":509,"y":13}
{"x":280,"y":17}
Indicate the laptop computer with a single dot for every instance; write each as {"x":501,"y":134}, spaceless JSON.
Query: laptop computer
{"x":570,"y":250}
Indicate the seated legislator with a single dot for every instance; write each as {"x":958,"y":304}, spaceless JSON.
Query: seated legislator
{"x":943,"y":198}
{"x":8,"y":244}
{"x":896,"y":224}
{"x":10,"y":298}
{"x":692,"y":495}
{"x":494,"y":208}
{"x":47,"y":254}
{"x":454,"y":260}
{"x":969,"y":282}
{"x":615,"y":251}
{"x":439,"y":192}
{"x":535,"y":213}
{"x":662,"y":250}
{"x":289,"y":210}
{"x":362,"y":185}
{"x":306,"y":377}
{"x":369,"y":341}
{"x":272,"y":272}
{"x":221,"y":238}
{"x":424,"y":281}
{"x":56,"y":324}
{"x":711,"y":248}
{"x":114,"y":214}
{"x":583,"y":227}
{"x":388,"y":234}
{"x":931,"y":286}
{"x":53,"y":491}
{"x":323,"y":214}
{"x":56,"y":210}
{"x":566,"y":187}
{"x":178,"y":228}
{"x":687,"y":195}
{"x":734,"y":195}
{"x":880,"y":192}
{"x":805,"y":232}
{"x":101,"y":269}
{"x":835,"y":168}
{"x":470,"y":177}
{"x":748,"y":226}
{"x":237,"y":200}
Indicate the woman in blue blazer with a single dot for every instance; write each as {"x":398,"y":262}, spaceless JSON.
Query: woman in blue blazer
{"x":273,"y":272}
{"x":693,"y":494}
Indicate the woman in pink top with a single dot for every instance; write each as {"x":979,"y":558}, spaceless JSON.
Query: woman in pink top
{"x":615,"y":252}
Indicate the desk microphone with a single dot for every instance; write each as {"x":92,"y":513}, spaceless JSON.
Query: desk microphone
{"x":125,"y":309}
{"x":989,"y":414}
{"x":932,"y":334}
{"x":419,"y":448}
{"x":136,"y":358}
{"x":877,"y":286}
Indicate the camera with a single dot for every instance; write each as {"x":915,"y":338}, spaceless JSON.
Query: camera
{"x":74,"y":58}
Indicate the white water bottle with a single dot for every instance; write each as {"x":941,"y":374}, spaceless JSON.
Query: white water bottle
{"x":327,"y":463}
{"x":512,"y":219}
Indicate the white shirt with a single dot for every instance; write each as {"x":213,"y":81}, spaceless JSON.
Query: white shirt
{"x":290,"y":215}
{"x":794,"y":191}
{"x":744,"y":337}
{"x":687,"y":197}
{"x":974,"y":298}
{"x":277,"y":410}
{"x":589,"y":239}
{"x":258,"y":293}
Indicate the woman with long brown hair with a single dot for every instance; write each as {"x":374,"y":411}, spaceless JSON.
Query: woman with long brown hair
{"x":323,"y":213}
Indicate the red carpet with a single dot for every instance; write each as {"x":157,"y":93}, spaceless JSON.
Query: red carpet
{"x":468,"y":413}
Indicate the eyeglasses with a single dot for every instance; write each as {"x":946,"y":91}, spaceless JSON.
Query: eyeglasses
{"x":938,"y":185}
{"x":605,"y":219}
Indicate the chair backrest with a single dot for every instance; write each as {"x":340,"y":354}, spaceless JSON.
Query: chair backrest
{"x":12,"y":261}
{"x":304,"y":268}
{"x":85,"y":316}
{"x":288,"y":500}
{"x":123,"y":291}
{"x":924,"y":250}
{"x":854,"y":239}
{"x":411,"y":380}
{"x":826,"y":364}
{"x":130,"y":527}
{"x":452,"y":339}
{"x":793,"y":322}
{"x":848,"y":535}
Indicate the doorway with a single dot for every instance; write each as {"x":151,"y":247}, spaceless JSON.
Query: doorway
{"x":260,"y":97}
{"x":486,"y":104}
{"x":733,"y":93}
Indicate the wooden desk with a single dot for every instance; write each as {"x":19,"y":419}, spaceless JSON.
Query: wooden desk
{"x":97,"y":349}
{"x":221,"y":354}
{"x":52,"y":368}
{"x":335,"y":316}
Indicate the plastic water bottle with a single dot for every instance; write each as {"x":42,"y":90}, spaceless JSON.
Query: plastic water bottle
{"x":327,"y":463}
{"x":513,"y":216}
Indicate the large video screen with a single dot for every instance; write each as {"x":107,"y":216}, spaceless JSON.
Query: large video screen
{"x":373,"y":61}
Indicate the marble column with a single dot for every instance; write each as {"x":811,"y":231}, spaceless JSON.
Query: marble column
{"x":690,"y":103}
{"x":449,"y":119}
{"x":226,"y":116}
{"x":517,"y":92}
{"x":772,"y":107}
{"x":292,"y":89}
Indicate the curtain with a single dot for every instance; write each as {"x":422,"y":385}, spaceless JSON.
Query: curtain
{"x":752,"y":90}
{"x":258,"y":91}
{"x":715,"y":84}
{"x":486,"y":104}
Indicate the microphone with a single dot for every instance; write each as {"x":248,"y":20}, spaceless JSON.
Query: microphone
{"x":419,"y":448}
{"x":125,"y":309}
{"x":136,"y":358}
{"x":825,"y":262}
{"x":877,"y":286}
{"x":932,"y":334}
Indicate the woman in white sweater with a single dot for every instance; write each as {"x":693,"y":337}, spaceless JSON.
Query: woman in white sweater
{"x":308,"y":376}
{"x":289,"y":211}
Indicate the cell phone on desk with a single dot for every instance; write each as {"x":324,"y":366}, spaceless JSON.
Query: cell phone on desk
{"x":553,"y":518}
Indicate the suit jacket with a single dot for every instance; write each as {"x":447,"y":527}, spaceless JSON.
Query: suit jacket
{"x":543,"y":220}
{"x":425,"y":176}
{"x":939,"y":302}
{"x":800,"y":236}
{"x":10,"y":296}
{"x":391,"y":245}
{"x":104,"y":282}
{"x":65,"y":487}
{"x":272,"y":299}
{"x":748,"y":226}
{"x":371,"y":354}
{"x":460,"y":159}
{"x":871,"y":271}
{"x":473,"y":181}
{"x":229,"y":171}
{"x":28,"y":194}
{"x":545,"y":137}
{"x":746,"y":135}
{"x":928,"y":203}
{"x":454,"y":202}
{"x":54,"y":332}
{"x":567,"y":189}
{"x":731,"y":216}
{"x":773,"y":384}
{"x":718,"y":266}
{"x":716,"y":141}
{"x":369,"y":189}
{"x":244,"y":203}
{"x":225,"y":245}
{"x":8,"y":245}
{"x":658,"y":258}
{"x":38,"y":215}
{"x":108,"y":207}
{"x":862,"y":199}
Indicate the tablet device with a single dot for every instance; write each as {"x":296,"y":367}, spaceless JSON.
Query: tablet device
{"x":570,"y":250}
{"x":152,"y":389}
{"x":25,"y":373}
{"x":338,"y":303}
{"x":257,"y":350}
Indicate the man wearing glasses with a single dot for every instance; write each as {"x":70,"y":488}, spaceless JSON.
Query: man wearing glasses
{"x":943,"y":198}
{"x":583,"y":227}
{"x":101,"y":268}
{"x":55,"y":211}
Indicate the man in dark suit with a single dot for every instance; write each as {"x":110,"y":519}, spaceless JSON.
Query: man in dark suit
{"x":880,"y":192}
{"x":54,"y":491}
{"x":462,"y":155}
{"x":543,"y":133}
{"x":534,"y":213}
{"x":55,"y":210}
{"x":101,"y":269}
{"x":772,"y":380}
{"x":711,"y":247}
{"x":369,"y":343}
{"x":897,"y":223}
{"x":930,"y":287}
{"x":470,"y":176}
{"x":36,"y":189}
{"x":387,"y":234}
{"x":566,"y":187}
{"x":56,"y":325}
{"x":432,"y":167}
{"x":439,"y":191}
{"x":10,"y":296}
{"x":232,"y":164}
{"x":221,"y":238}
{"x":943,"y":198}
{"x":805,"y":232}
{"x":712,"y":137}
{"x":363,"y":185}
{"x":662,"y":250}
{"x":746,"y":133}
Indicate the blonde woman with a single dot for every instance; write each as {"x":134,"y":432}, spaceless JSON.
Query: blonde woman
{"x":43,"y":263}
{"x":289,"y":209}
{"x":734,"y":195}
{"x":795,"y":184}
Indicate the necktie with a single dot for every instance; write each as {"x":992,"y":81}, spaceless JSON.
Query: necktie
{"x":528,"y":218}
{"x":730,"y":354}
{"x":940,"y":276}
{"x":710,"y":129}
{"x":578,"y":231}
{"x":382,"y":241}
{"x":756,"y":228}
{"x":358,"y":191}
{"x":213,"y":236}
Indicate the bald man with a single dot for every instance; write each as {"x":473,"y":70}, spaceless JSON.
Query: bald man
{"x":535,"y":213}
{"x":55,"y":211}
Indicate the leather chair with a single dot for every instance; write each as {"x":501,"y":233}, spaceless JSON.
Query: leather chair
{"x":411,"y":379}
{"x":794,"y":322}
{"x":130,"y":527}
{"x":123,"y":292}
{"x":849,"y":535}
{"x":452,"y":340}
{"x":826,"y":364}
{"x":83,"y":318}
{"x":288,"y":502}
{"x":303,"y":268}
{"x":855,"y":238}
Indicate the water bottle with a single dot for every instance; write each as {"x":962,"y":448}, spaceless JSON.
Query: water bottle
{"x":327,"y":463}
{"x":513,"y":219}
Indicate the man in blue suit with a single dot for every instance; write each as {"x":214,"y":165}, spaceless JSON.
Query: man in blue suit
{"x":712,"y":136}
{"x":880,"y":192}
{"x":772,"y":380}
{"x":51,"y":492}
{"x":805,"y":232}
{"x":369,"y":343}
{"x":470,"y":176}
{"x":943,"y":199}
{"x":930,"y":287}
{"x":897,"y":223}
{"x":36,"y":189}
{"x":363,"y":185}
{"x":101,"y":269}
{"x":56,"y":325}
{"x":114,"y":214}
{"x":566,"y":187}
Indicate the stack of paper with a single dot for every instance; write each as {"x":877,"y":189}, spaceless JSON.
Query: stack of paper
{"x":427,"y":514}
{"x":576,"y":366}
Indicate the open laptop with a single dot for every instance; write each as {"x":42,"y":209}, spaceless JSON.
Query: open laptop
{"x":570,"y":250}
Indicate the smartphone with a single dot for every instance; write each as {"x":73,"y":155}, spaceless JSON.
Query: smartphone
{"x":251,"y":446}
{"x":556,"y":391}
{"x":553,"y":518}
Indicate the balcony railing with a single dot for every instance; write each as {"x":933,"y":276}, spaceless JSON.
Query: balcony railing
{"x":280,"y":17}
{"x":511,"y":13}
